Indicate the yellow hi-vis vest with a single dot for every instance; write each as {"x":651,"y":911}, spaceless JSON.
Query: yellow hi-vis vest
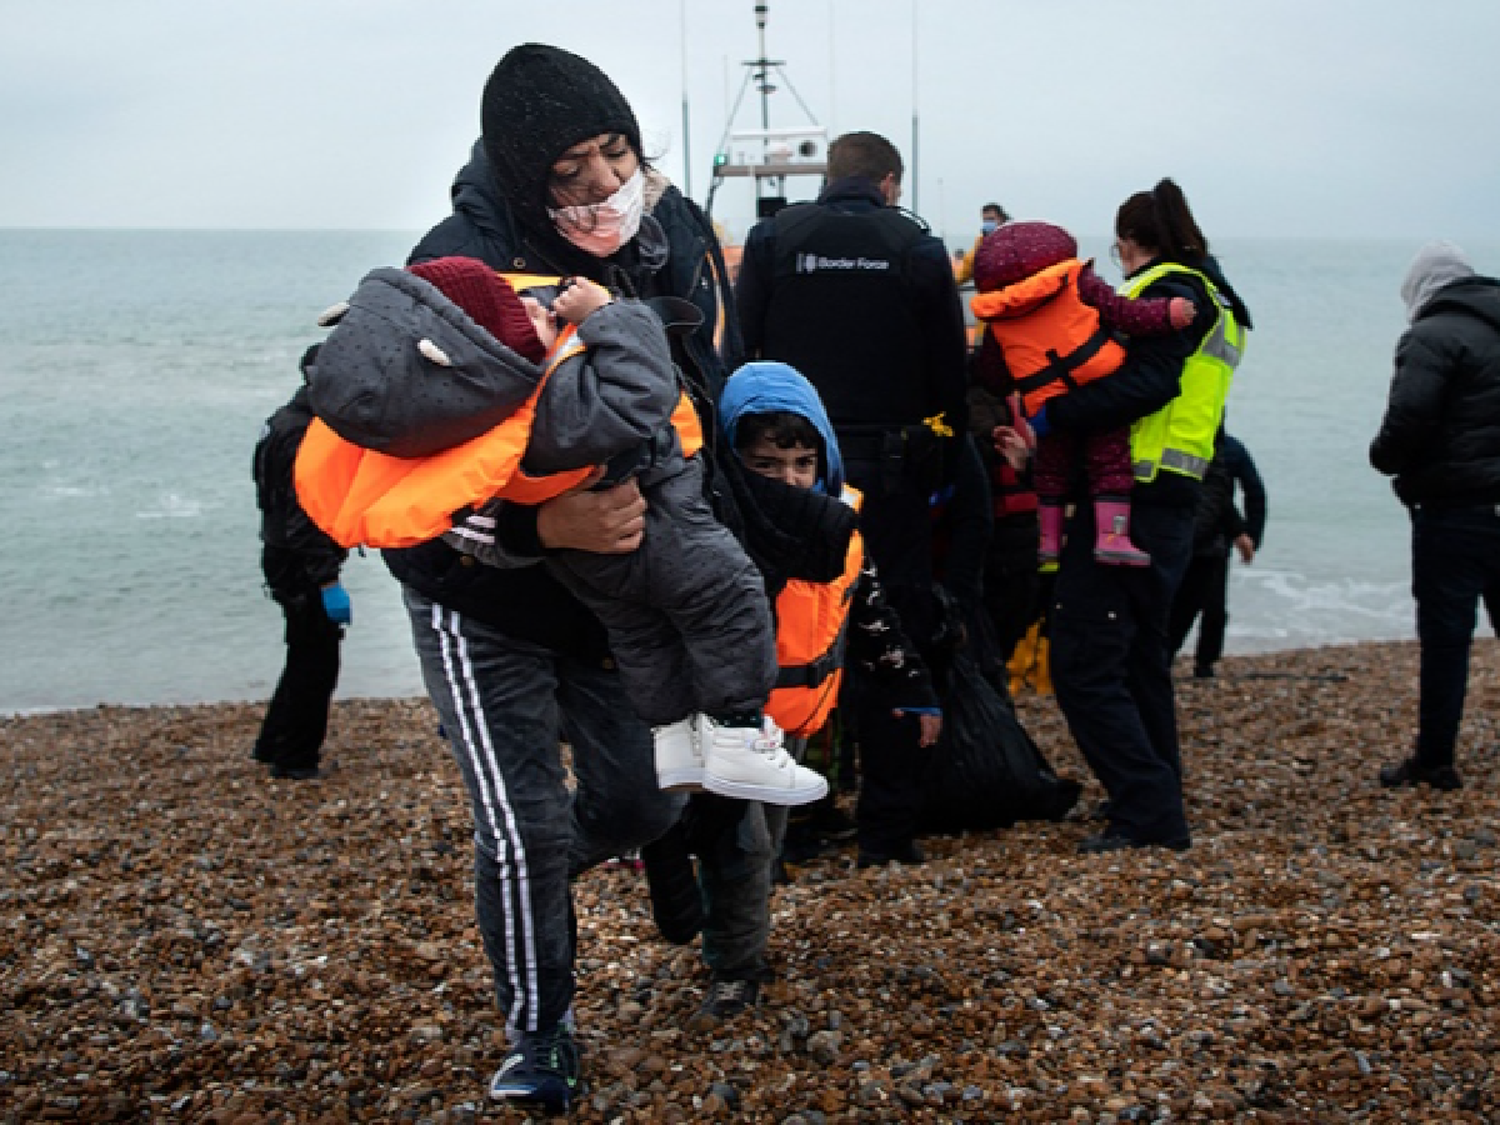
{"x":1179,"y":438}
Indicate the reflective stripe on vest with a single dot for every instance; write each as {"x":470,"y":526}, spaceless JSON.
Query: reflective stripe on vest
{"x":1179,"y":438}
{"x":811,"y":623}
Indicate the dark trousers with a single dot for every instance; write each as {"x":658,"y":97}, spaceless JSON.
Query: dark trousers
{"x":1012,"y":582}
{"x":1111,"y":668}
{"x":1203,"y":596}
{"x":689,"y":625}
{"x":737,"y":843}
{"x":506,"y":704}
{"x":1455,"y":558}
{"x":891,"y":765}
{"x":296,"y":722}
{"x":896,"y":524}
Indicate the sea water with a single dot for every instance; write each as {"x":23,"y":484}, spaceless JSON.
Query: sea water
{"x":137,"y":368}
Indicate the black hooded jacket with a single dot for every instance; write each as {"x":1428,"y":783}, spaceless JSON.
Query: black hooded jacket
{"x":1218,"y":522}
{"x":674,"y":255}
{"x":1440,"y":437}
{"x":297,"y":557}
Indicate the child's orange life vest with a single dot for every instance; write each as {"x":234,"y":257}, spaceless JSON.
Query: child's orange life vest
{"x":361,"y":497}
{"x":1052,"y":340}
{"x":811,"y":618}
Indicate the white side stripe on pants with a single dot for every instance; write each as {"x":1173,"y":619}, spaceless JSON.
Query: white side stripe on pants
{"x":490,"y":783}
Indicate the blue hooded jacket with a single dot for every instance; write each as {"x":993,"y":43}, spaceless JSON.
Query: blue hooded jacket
{"x":766,"y":386}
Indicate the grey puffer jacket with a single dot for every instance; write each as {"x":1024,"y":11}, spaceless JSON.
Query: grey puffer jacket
{"x":377,"y":380}
{"x":1440,"y":437}
{"x":405,"y":371}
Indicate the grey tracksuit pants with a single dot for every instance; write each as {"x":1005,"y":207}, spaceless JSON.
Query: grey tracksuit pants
{"x":505,"y":705}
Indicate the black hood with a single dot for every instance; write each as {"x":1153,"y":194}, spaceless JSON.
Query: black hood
{"x":539,"y":102}
{"x":1476,"y":296}
{"x":1210,"y":267}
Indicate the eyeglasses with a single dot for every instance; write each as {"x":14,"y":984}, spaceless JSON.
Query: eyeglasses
{"x":1114,"y":254}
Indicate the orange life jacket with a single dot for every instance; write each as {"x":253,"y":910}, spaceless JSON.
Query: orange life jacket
{"x":359,"y":496}
{"x":1052,"y":340}
{"x":811,"y":618}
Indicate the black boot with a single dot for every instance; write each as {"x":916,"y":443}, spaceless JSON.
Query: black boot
{"x":1413,"y":773}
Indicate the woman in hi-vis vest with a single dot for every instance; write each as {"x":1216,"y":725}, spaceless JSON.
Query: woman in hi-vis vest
{"x":1111,"y":662}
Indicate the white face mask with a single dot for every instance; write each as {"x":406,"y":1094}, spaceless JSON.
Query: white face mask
{"x":602,"y":228}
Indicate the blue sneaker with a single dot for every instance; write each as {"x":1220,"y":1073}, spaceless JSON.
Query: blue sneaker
{"x":542,"y":1068}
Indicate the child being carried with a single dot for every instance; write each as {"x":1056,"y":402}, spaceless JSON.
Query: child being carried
{"x":1054,"y":320}
{"x":446,"y":357}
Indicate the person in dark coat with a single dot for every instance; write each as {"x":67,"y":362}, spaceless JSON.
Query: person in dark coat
{"x":1219,"y":529}
{"x":301,"y":567}
{"x":859,"y":296}
{"x":1013,"y":582}
{"x":1440,"y":440}
{"x":1108,"y":625}
{"x":512,"y":661}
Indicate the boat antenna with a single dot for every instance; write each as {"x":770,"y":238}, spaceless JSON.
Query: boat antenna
{"x":914,"y":181}
{"x":762,"y":66}
{"x":687,"y":130}
{"x":769,"y":155}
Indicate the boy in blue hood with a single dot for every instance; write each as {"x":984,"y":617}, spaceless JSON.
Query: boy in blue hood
{"x":831,"y":614}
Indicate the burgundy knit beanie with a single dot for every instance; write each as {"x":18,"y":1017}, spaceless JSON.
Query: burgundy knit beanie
{"x":488,"y":299}
{"x":1013,"y":251}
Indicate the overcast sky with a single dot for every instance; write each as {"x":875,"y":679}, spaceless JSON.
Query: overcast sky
{"x":1278,"y":117}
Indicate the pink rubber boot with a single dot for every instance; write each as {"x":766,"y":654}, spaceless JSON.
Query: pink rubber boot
{"x":1050,"y":519}
{"x":1112,"y":545}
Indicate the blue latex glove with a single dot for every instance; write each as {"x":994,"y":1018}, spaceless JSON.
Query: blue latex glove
{"x":1038,"y":422}
{"x":337,"y":605}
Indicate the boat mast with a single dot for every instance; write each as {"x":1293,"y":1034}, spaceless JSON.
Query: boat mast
{"x":914,"y":105}
{"x":766,"y":154}
{"x":687,"y":131}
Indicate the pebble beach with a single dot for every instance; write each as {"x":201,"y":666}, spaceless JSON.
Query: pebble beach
{"x":184,"y":940}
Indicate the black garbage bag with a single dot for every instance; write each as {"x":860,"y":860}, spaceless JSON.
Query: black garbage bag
{"x":985,"y":771}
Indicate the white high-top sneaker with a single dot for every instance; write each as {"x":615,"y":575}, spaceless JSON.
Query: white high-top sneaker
{"x":750,"y":763}
{"x":679,"y":754}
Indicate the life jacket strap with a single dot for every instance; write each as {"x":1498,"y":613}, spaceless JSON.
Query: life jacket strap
{"x":813,"y":673}
{"x":807,"y":675}
{"x":1061,"y":367}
